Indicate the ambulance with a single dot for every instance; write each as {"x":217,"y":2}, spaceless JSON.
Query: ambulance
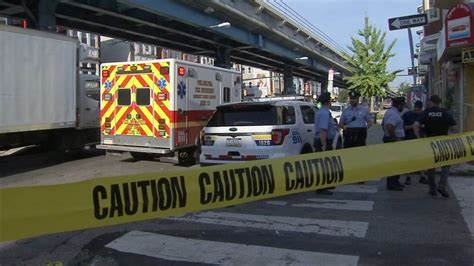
{"x":159,"y":107}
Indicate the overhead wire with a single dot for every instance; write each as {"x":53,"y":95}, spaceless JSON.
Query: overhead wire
{"x":288,"y":11}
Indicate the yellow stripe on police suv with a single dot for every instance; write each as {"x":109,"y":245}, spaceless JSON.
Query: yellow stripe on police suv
{"x":262,"y":137}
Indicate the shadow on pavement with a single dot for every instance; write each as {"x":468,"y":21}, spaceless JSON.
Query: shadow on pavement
{"x":39,"y":158}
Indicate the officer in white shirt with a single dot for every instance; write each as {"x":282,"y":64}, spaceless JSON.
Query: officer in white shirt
{"x":394,"y":131}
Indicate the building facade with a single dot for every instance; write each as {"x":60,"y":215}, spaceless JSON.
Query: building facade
{"x":445,"y":57}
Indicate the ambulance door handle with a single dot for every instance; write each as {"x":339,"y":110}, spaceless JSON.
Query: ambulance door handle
{"x":310,"y":130}
{"x":87,"y":109}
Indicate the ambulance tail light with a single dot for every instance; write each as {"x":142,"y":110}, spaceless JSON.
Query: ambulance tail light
{"x":161,"y":124}
{"x":164,"y":70}
{"x":107,"y":122}
{"x":278,"y":135}
{"x":105,"y":73}
{"x":162,"y":97}
{"x":181,"y":71}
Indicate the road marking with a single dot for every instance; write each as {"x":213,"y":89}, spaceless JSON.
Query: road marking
{"x":463,"y":188}
{"x":353,"y":205}
{"x":280,"y":223}
{"x":356,"y":189}
{"x":220,"y":253}
{"x":276,"y":202}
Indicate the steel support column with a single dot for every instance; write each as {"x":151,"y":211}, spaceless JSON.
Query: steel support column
{"x":223,"y":57}
{"x":46,"y":15}
{"x":288,"y":83}
{"x":324,"y":83}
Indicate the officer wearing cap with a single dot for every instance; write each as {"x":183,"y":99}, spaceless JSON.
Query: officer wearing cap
{"x":436,"y":122}
{"x":355,"y":120}
{"x":325,"y":129}
{"x":394,"y":131}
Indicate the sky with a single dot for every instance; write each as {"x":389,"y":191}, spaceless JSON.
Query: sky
{"x":341,"y":19}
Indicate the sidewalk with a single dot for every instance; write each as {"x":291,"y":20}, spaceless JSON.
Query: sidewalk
{"x":464,"y":169}
{"x":375,"y":134}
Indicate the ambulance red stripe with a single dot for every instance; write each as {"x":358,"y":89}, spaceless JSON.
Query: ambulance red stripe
{"x":111,"y":69}
{"x":110,"y":103}
{"x":145,"y":118}
{"x":121,"y":119}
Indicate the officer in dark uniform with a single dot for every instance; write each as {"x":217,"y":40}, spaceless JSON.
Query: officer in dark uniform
{"x":436,"y":122}
{"x":355,"y":120}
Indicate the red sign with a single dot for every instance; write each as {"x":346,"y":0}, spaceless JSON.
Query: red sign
{"x":459,"y":26}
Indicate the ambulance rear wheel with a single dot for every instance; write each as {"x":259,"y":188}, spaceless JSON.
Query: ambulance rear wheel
{"x":142,"y":155}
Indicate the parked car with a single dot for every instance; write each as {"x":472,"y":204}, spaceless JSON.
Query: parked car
{"x":258,"y":130}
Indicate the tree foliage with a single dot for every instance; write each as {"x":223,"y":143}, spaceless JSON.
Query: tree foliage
{"x":343,"y":96}
{"x":368,"y":62}
{"x":403,"y":88}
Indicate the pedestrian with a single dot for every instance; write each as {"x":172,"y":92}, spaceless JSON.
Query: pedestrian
{"x":393,"y":131}
{"x":355,"y":120}
{"x":436,"y":122}
{"x":409,"y":119}
{"x":325,"y":130}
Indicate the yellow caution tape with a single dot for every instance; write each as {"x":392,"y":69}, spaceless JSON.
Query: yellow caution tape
{"x":34,"y":211}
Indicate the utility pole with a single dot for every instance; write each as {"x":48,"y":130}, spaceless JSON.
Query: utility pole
{"x":412,"y":55}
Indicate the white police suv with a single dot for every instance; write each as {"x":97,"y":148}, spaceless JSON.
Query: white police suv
{"x":258,"y":130}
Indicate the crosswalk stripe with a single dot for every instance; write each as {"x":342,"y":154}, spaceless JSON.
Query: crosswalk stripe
{"x":276,"y":202}
{"x":353,"y":205}
{"x":463,"y":188}
{"x":281,"y":223}
{"x":356,"y":189}
{"x":221,"y":253}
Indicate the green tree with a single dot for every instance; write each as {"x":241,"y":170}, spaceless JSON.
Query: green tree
{"x":343,"y":96}
{"x":403,"y":88}
{"x":368,"y":62}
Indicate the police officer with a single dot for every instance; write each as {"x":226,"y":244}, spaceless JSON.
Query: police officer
{"x":354,"y":121}
{"x":436,"y":122}
{"x":393,"y":131}
{"x":325,"y":129}
{"x":409,"y":119}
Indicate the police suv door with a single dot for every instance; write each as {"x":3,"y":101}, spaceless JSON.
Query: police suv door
{"x":307,"y":115}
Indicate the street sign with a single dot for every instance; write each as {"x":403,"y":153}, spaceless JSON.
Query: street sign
{"x":412,"y":71}
{"x":407,"y":22}
{"x":468,"y":55}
